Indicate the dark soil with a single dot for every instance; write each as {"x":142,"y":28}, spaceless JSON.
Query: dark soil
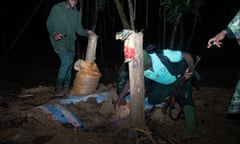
{"x":26,"y":87}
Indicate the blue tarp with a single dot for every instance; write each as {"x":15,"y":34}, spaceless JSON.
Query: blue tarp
{"x":100,"y":97}
{"x":63,"y":115}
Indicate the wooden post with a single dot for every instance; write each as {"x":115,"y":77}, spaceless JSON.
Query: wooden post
{"x":91,"y":48}
{"x":137,"y":82}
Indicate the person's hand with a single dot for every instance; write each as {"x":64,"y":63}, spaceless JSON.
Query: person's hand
{"x":188,"y":73}
{"x":121,"y":97}
{"x":90,"y":32}
{"x":58,"y":36}
{"x":217,"y":39}
{"x":214,"y":41}
{"x":189,"y":60}
{"x":117,"y":102}
{"x":120,"y":101}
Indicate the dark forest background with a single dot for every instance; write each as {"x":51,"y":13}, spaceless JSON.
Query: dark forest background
{"x":26,"y":52}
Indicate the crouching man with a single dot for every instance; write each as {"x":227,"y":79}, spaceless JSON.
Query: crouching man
{"x":163,"y":73}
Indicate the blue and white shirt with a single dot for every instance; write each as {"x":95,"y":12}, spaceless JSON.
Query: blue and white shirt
{"x":159,"y":72}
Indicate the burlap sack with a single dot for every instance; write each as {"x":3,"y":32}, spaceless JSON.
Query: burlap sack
{"x":86,"y":79}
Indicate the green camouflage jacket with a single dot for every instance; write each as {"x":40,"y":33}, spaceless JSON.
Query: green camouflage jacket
{"x":233,"y":28}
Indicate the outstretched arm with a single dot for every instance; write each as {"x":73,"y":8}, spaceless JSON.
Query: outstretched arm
{"x":231,"y":31}
{"x":216,"y":40}
{"x":123,"y":93}
{"x":189,"y":60}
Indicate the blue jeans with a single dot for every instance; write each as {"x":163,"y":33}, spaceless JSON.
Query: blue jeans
{"x":65,"y":69}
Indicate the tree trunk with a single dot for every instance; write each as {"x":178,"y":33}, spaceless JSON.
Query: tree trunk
{"x":164,"y":28}
{"x":192,"y":31}
{"x":136,"y":76}
{"x":181,"y":37}
{"x":137,"y":82}
{"x":95,"y":16}
{"x":172,"y":40}
{"x":81,"y":8}
{"x":122,"y":15}
{"x":146,"y":19}
{"x":80,"y":52}
{"x":131,"y":14}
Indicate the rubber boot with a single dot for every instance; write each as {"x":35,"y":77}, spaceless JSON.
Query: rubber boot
{"x":190,"y":121}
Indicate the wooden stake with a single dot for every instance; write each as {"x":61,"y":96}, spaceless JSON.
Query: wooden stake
{"x":136,"y":78}
{"x":91,"y":48}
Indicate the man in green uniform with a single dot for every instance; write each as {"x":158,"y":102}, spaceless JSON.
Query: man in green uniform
{"x":163,"y":71}
{"x":231,"y":31}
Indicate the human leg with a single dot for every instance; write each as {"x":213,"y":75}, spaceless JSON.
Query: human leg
{"x":189,"y":111}
{"x":64,"y":72}
{"x":234,"y":107}
{"x":156,"y":92}
{"x":190,"y":122}
{"x":69,"y":62}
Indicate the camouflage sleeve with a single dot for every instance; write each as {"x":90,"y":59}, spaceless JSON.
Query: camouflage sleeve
{"x":233,"y":28}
